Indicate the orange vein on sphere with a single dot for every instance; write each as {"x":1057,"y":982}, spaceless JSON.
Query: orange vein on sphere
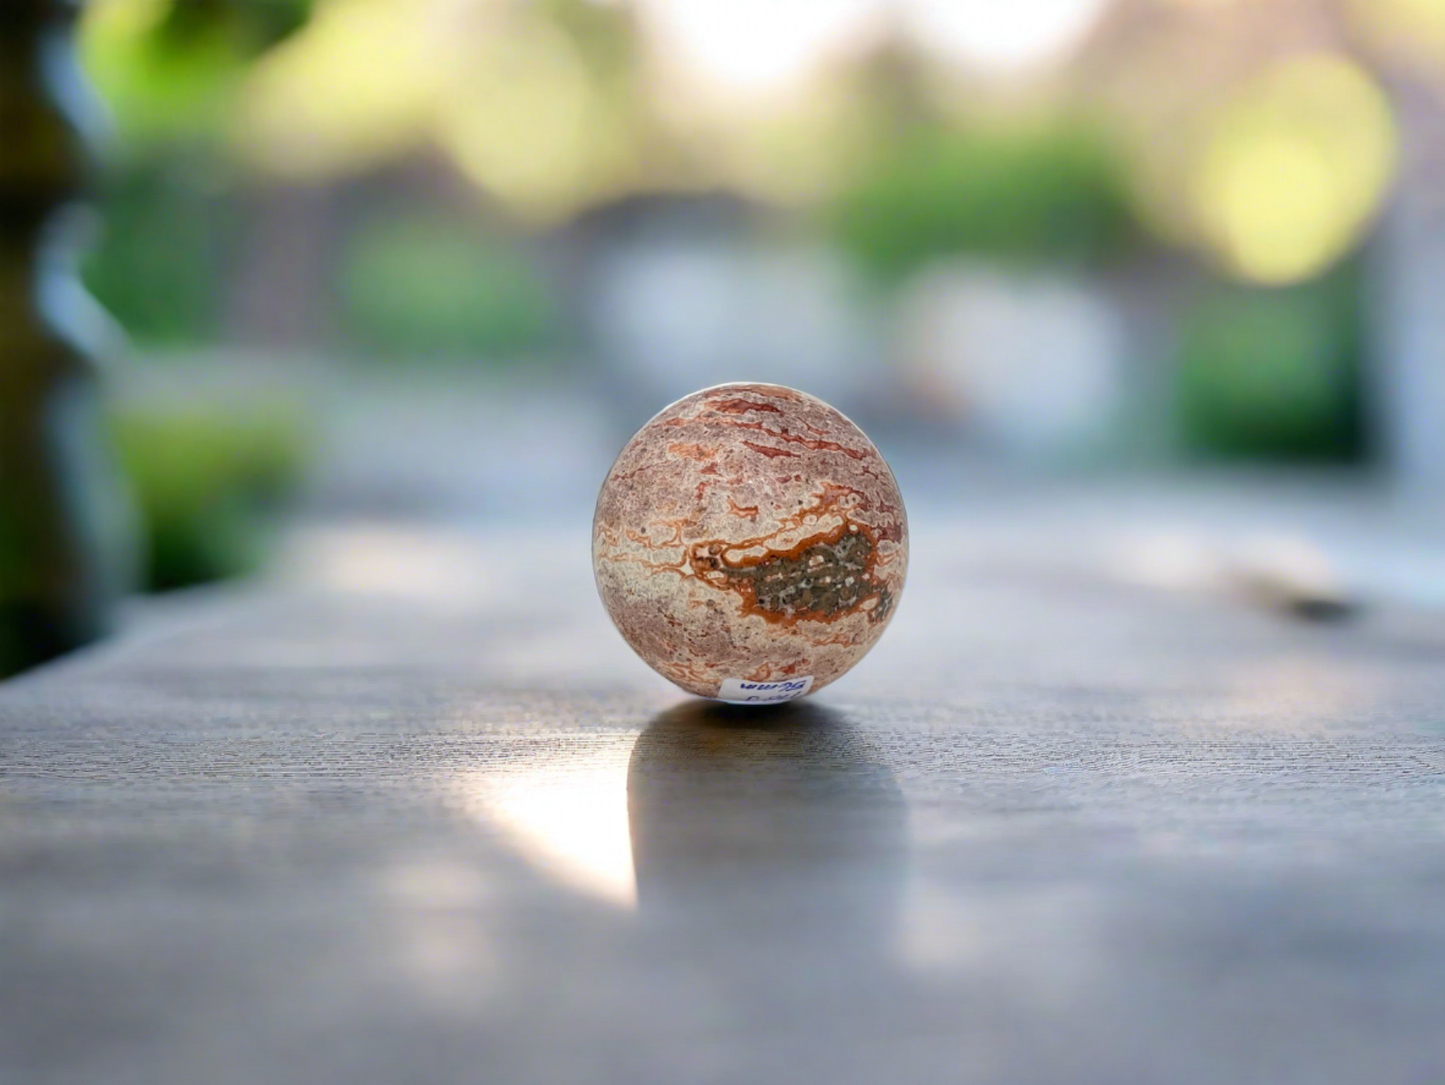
{"x":650,"y":566}
{"x":838,"y":577}
{"x":816,"y":444}
{"x":742,"y":406}
{"x":691,"y":451}
{"x":765,"y":450}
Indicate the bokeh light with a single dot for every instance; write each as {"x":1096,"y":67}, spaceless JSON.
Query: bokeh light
{"x":523,"y":122}
{"x":1415,"y":27}
{"x":1001,"y":36}
{"x":1296,"y":168}
{"x":353,"y":88}
{"x":752,"y":48}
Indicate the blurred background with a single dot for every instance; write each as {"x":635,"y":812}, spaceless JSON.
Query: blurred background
{"x":436,"y":259}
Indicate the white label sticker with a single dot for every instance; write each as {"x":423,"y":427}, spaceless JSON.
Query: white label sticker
{"x":736,"y":691}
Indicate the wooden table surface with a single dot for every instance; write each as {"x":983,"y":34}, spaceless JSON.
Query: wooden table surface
{"x":408,"y":810}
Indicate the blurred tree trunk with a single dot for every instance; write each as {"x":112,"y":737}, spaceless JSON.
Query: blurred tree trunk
{"x":64,"y":525}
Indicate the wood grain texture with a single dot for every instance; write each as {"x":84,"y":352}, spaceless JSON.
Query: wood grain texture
{"x":375,"y":823}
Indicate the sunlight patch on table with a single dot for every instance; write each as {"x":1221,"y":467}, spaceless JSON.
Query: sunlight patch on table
{"x":565,"y":810}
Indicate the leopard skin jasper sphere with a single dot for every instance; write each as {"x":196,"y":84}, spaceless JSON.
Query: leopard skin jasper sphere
{"x":750,"y":534}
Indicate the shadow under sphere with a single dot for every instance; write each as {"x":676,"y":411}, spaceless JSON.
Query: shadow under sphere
{"x":774,"y":831}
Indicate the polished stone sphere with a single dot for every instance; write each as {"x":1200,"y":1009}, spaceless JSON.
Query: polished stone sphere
{"x":750,"y":543}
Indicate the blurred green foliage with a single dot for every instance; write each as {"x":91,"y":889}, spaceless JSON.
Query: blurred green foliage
{"x":159,"y":264}
{"x":1030,"y":195}
{"x":1274,"y":374}
{"x":426,"y":286}
{"x":168,"y":71}
{"x":170,"y":68}
{"x":209,"y":484}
